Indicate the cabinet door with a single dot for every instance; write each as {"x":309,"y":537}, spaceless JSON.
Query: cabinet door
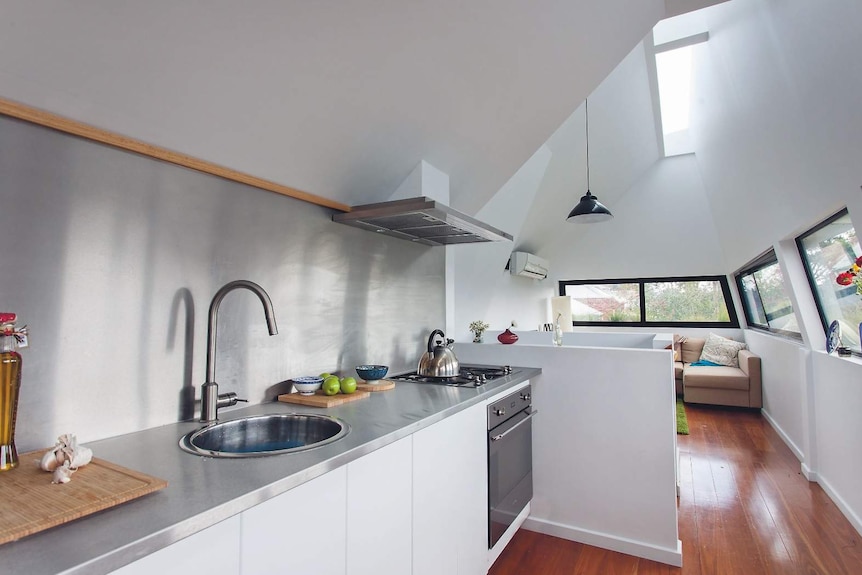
{"x":214,"y":551}
{"x":379,"y":514}
{"x":300,"y":531}
{"x":450,"y":496}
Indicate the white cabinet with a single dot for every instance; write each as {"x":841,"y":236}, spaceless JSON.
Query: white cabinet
{"x":379,"y":514}
{"x":214,"y":551}
{"x":300,"y":531}
{"x":417,"y":506}
{"x":450,"y":496}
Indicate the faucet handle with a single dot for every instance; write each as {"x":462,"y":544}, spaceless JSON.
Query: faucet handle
{"x":228,"y":399}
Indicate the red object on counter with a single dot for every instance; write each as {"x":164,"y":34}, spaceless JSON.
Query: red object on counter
{"x":507,"y":337}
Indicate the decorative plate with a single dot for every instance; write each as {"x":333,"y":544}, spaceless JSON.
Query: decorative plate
{"x":833,"y":336}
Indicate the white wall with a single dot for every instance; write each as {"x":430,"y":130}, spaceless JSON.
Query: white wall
{"x":776,"y":118}
{"x":785,"y":384}
{"x":838,"y":431}
{"x":661,"y":227}
{"x":484,"y":289}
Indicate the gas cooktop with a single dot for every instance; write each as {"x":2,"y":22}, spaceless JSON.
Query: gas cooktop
{"x":469,"y":376}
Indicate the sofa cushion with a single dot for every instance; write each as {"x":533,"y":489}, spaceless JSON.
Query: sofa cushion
{"x":691,"y":349}
{"x":719,"y":376}
{"x":721,"y":350}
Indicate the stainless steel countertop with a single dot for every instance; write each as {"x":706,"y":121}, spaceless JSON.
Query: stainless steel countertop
{"x":203,"y":491}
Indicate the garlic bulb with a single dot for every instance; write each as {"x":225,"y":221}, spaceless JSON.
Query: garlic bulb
{"x":63,"y":474}
{"x":65,"y":458}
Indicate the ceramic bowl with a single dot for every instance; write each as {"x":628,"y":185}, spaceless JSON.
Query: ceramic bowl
{"x":371,"y":373}
{"x":307,"y":385}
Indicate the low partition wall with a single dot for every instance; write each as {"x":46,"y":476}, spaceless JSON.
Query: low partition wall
{"x":837,"y":423}
{"x":604,"y":445}
{"x":582,"y":338}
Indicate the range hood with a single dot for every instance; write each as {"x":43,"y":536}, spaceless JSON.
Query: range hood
{"x":421,"y":220}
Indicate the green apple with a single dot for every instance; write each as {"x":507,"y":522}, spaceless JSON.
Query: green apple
{"x":331,"y":385}
{"x":324,"y":375}
{"x":348,"y":385}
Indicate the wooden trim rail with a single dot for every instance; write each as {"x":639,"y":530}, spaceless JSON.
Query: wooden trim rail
{"x":59,"y":123}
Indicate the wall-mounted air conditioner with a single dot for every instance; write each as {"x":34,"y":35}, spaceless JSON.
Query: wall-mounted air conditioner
{"x":528,"y":265}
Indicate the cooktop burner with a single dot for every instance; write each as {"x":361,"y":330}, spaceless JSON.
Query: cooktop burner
{"x":469,"y":376}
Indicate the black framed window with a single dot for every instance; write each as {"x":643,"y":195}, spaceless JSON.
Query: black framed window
{"x":764,"y":297}
{"x":696,"y":301}
{"x":829,"y":249}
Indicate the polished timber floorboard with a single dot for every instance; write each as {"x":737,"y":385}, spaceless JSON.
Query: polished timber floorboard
{"x":744,"y":508}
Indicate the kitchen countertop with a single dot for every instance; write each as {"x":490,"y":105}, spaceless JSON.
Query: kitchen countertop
{"x":203,"y":491}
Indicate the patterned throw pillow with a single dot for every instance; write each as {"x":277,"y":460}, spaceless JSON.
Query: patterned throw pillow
{"x":721,"y":350}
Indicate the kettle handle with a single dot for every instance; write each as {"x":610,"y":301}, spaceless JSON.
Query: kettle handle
{"x":431,"y":339}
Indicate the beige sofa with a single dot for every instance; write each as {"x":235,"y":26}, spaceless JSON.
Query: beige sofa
{"x":717,"y":385}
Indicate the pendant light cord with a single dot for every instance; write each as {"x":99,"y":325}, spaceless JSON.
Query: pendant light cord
{"x":587,"y":118}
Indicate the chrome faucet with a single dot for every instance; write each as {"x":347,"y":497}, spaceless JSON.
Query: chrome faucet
{"x":211,"y":400}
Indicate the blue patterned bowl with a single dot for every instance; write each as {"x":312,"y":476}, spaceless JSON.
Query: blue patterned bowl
{"x":307,"y":385}
{"x":371,"y":373}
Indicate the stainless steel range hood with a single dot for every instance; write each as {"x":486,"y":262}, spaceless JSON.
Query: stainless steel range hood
{"x":421,"y":220}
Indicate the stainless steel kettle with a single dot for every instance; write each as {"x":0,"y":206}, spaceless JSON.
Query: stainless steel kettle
{"x":439,"y":360}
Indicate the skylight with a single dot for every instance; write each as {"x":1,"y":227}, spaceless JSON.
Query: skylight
{"x":674,"y":85}
{"x":674,"y":44}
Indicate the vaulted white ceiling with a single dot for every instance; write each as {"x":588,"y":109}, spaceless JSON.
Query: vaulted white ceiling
{"x":339,"y":99}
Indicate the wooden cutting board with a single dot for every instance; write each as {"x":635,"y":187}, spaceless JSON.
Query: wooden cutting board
{"x":30,"y":503}
{"x":320,"y":399}
{"x":384,"y":385}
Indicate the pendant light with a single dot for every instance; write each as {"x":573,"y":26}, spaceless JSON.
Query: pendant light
{"x":589,"y":210}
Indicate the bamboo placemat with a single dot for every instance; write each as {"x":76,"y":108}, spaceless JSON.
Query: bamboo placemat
{"x":30,"y":503}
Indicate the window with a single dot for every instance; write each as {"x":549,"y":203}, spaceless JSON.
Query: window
{"x":764,"y":297}
{"x":828,"y":249}
{"x":654,"y":302}
{"x":673,"y":69}
{"x":678,"y":50}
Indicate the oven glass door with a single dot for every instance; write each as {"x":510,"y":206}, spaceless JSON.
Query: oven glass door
{"x":510,"y":473}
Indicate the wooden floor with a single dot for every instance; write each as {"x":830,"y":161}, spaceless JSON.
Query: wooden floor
{"x":744,"y":508}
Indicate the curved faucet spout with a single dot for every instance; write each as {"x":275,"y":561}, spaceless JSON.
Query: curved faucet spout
{"x":209,"y":395}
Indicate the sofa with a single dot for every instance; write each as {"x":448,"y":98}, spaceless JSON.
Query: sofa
{"x":716,"y":384}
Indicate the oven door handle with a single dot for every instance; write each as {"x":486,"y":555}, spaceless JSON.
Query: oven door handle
{"x":514,"y":427}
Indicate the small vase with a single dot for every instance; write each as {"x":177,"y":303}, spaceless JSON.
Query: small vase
{"x":507,"y":337}
{"x":477,"y":338}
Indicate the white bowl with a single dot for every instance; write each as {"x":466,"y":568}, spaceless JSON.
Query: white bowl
{"x":307,"y":385}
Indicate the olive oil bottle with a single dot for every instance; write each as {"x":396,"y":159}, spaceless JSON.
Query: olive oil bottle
{"x":10,"y":383}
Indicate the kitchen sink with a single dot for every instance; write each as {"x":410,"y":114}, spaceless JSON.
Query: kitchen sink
{"x":260,"y":435}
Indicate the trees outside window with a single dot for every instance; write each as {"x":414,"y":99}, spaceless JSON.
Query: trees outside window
{"x":765,"y":300}
{"x":702,"y":301}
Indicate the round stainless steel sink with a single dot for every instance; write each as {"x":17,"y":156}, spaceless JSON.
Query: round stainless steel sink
{"x":259,"y":435}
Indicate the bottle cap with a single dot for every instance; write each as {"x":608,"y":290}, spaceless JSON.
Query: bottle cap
{"x":7,"y":317}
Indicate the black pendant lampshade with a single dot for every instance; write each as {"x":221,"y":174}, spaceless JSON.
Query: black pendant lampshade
{"x":589,"y":210}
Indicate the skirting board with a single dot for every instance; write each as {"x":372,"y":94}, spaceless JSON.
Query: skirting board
{"x":784,"y":437}
{"x":809,"y":474}
{"x":629,"y":547}
{"x":495,"y":551}
{"x":854,"y":519}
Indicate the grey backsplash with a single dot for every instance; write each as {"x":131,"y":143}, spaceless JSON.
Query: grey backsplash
{"x":112,"y":260}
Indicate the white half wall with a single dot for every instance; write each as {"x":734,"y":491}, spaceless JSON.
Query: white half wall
{"x":604,"y":445}
{"x":783,"y":369}
{"x":838,"y":428}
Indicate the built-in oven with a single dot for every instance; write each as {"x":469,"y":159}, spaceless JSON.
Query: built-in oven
{"x":510,"y":460}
